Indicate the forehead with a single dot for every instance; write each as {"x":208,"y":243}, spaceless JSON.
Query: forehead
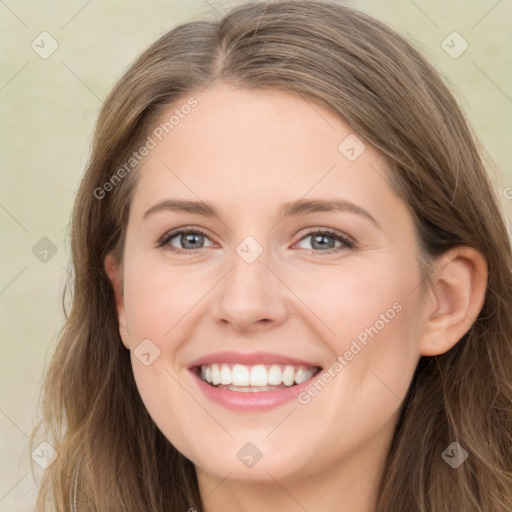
{"x":243,"y":147}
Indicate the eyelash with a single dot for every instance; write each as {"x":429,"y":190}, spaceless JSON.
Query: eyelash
{"x":344,"y":239}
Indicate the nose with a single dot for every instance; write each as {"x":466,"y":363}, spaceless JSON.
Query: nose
{"x":251,"y":297}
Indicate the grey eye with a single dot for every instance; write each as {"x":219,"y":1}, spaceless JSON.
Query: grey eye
{"x":191,"y":240}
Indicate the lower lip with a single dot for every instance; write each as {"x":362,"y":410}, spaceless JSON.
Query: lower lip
{"x":251,"y":401}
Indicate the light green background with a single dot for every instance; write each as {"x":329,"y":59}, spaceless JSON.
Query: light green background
{"x":47,"y":112}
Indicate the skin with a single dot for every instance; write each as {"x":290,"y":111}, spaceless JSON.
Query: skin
{"x":247,"y":153}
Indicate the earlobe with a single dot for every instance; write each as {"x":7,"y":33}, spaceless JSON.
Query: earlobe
{"x":456,"y":298}
{"x":113,"y":272}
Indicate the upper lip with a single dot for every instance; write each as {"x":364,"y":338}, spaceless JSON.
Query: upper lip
{"x":250,"y":359}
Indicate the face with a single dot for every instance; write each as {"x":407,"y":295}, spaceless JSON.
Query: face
{"x":267,"y":254}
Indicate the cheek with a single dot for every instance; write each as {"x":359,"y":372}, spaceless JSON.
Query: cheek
{"x":362,"y":301}
{"x":372,"y":315}
{"x":379,"y":316}
{"x":379,"y":356}
{"x":158,"y":297}
{"x":374,"y":359}
{"x":165,"y":399}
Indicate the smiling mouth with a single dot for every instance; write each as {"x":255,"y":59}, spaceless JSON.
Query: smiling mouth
{"x":254,"y":378}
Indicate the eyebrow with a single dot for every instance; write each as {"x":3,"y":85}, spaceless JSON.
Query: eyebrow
{"x":293,"y":208}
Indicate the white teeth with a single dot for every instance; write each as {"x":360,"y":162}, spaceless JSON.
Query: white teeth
{"x":259,"y":375}
{"x":208,"y":374}
{"x":275,"y":376}
{"x":215,"y":374}
{"x":225,"y":375}
{"x":301,"y":375}
{"x":262,"y":377}
{"x":289,"y":376}
{"x":240,"y":375}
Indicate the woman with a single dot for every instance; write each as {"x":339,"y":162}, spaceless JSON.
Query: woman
{"x":292,"y":282}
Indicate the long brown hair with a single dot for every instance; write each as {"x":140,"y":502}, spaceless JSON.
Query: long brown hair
{"x":111,"y":455}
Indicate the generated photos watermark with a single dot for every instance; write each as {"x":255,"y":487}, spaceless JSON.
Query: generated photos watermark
{"x":342,"y":361}
{"x":157,"y":135}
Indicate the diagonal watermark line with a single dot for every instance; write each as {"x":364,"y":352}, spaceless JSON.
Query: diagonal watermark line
{"x":286,"y":491}
{"x":13,"y":13}
{"x":76,"y":14}
{"x":210,"y":82}
{"x":424,"y":14}
{"x":71,"y":71}
{"x":217,"y":486}
{"x":127,"y":331}
{"x":307,"y":192}
{"x":228,"y":24}
{"x":14,"y":76}
{"x":485,"y":15}
{"x":259,"y":21}
{"x":430,"y":70}
{"x":301,"y":300}
{"x":14,"y":486}
{"x":65,"y":227}
{"x":415,"y":84}
{"x":384,"y":177}
{"x":14,"y":218}
{"x":194,"y":305}
{"x":422,"y":280}
{"x":13,"y":423}
{"x":399,"y":399}
{"x":214,"y":8}
{"x":199,"y":403}
{"x":110,"y":109}
{"x":488,"y":288}
{"x":313,"y":107}
{"x":280,"y":423}
{"x":13,"y":279}
{"x":195,"y":194}
{"x":492,"y":81}
{"x":456,"y":185}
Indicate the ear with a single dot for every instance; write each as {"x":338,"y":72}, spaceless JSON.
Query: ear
{"x":457,"y":295}
{"x":114,"y":273}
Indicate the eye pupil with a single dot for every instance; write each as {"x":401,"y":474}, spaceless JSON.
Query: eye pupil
{"x":321,"y":240}
{"x":188,"y":238}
